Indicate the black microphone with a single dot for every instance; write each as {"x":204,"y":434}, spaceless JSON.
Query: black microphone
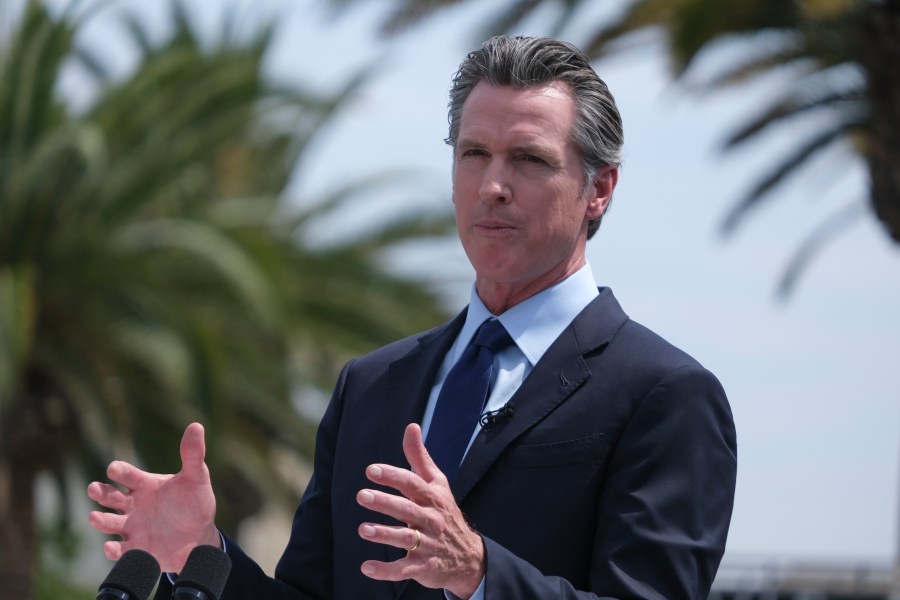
{"x":203,"y":576}
{"x":491,"y":418}
{"x":131,"y":578}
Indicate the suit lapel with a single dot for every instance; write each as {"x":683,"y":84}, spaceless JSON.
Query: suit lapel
{"x":556,"y":376}
{"x":410,"y":380}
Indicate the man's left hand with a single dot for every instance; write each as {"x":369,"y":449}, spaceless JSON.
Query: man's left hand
{"x":442,"y":549}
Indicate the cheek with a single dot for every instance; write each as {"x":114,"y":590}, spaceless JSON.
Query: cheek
{"x":560,"y":215}
{"x":459,"y":211}
{"x":459,"y":192}
{"x":562,"y":223}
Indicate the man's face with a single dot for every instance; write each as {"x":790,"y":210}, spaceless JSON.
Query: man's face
{"x":518,"y":189}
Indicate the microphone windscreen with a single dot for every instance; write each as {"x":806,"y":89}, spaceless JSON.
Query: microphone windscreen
{"x":206,"y":570}
{"x":135,"y":573}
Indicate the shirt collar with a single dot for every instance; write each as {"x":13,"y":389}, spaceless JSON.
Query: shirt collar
{"x":535,"y":323}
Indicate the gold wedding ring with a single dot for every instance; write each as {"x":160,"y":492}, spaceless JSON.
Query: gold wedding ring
{"x":418,"y":540}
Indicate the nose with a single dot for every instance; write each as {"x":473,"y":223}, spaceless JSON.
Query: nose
{"x":495,"y":185}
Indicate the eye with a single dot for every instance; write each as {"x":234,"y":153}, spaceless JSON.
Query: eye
{"x":531,"y":158}
{"x":474,"y":152}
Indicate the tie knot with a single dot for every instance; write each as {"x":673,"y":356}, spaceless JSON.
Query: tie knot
{"x":493,"y":335}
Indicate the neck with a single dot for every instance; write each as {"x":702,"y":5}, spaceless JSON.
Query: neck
{"x":499,"y":297}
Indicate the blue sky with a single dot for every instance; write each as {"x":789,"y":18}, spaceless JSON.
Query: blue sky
{"x":812,"y":381}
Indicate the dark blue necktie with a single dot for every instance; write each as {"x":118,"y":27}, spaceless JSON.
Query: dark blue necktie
{"x":463,"y":397}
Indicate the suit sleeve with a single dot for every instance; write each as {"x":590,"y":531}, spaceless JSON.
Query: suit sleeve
{"x":663,"y":513}
{"x":305,"y":571}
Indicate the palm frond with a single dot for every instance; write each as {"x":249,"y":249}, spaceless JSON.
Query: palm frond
{"x":411,"y":13}
{"x":847,"y":102}
{"x":138,"y":34}
{"x":402,"y":229}
{"x":696,"y":24}
{"x":507,"y":19}
{"x":639,"y":16}
{"x":762,"y":56}
{"x":787,"y":166}
{"x":28,"y":76}
{"x":346,"y":193}
{"x":93,"y":65}
{"x":17,"y":323}
{"x":814,"y":243}
{"x":212,"y":246}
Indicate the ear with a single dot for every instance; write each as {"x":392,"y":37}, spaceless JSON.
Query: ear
{"x":601,"y":193}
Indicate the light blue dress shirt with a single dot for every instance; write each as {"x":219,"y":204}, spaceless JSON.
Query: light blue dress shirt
{"x":534,"y":325}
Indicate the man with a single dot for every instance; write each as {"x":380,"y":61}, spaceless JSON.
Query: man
{"x":601,"y":465}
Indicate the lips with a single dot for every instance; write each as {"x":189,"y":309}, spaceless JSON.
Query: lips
{"x":493,"y":225}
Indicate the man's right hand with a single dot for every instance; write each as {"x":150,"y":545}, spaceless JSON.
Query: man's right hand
{"x":165,"y":515}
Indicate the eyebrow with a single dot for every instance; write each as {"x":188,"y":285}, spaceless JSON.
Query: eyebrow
{"x":526,"y":148}
{"x":539,"y":149}
{"x":469,"y":143}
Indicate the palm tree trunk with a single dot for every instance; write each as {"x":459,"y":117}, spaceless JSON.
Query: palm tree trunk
{"x":880,"y":58}
{"x":35,"y":434}
{"x":17,"y":529}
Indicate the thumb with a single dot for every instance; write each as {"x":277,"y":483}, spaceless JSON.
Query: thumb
{"x":193,"y":451}
{"x":419,"y":459}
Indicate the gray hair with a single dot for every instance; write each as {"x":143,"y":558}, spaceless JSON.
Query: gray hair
{"x":526,"y":62}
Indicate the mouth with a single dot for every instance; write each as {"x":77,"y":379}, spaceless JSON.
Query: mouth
{"x":493,"y":226}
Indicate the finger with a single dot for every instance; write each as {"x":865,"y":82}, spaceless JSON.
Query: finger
{"x":398,"y":507}
{"x":399,"y":570}
{"x":107,"y":495}
{"x":108,"y":523}
{"x":126,"y":475}
{"x":193,"y":451}
{"x":418,"y":457}
{"x":113,"y":550}
{"x":403,"y":480}
{"x":399,"y":537}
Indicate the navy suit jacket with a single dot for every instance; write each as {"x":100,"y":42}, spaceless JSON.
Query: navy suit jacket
{"x":614,"y":478}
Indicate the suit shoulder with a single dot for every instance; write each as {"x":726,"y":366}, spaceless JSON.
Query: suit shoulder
{"x":648,"y":353}
{"x":397,"y":349}
{"x":604,"y":324}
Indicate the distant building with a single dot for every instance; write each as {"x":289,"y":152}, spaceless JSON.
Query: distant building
{"x":774,"y":580}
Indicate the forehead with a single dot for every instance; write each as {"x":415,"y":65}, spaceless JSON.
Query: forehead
{"x":546,"y":111}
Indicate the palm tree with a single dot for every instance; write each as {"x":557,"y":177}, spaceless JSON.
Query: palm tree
{"x":151,"y":274}
{"x":844,"y":53}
